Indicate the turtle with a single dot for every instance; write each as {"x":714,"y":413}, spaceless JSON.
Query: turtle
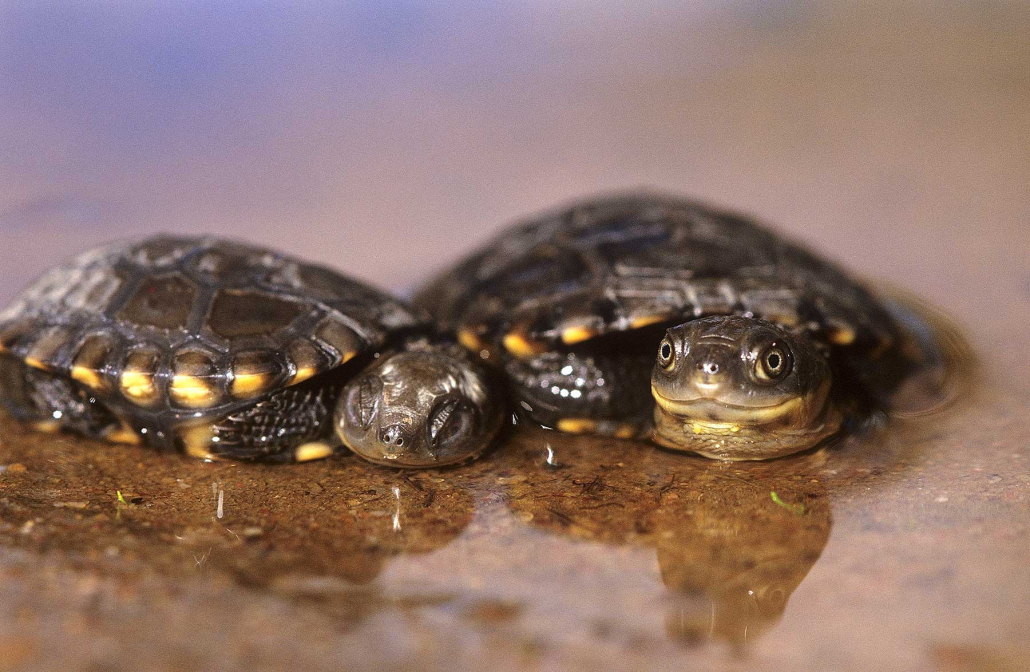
{"x":224,"y":349}
{"x":649,"y":315}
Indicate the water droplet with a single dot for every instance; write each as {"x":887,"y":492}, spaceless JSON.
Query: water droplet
{"x":397,"y":510}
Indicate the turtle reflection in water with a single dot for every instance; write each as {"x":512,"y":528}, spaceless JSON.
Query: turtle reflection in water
{"x":646,"y":315}
{"x":732,"y":543}
{"x":227,"y":350}
{"x":733,"y":555}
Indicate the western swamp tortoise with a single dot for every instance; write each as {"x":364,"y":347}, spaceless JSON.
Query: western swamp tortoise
{"x":763,"y":348}
{"x":223,"y":349}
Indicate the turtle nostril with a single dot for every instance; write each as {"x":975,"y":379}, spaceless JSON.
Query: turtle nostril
{"x":392,"y":436}
{"x":711,"y":368}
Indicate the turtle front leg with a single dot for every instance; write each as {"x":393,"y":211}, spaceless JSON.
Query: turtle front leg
{"x":584,"y":394}
{"x":292,"y":425}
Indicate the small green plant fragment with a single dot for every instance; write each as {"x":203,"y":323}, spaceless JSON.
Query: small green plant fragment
{"x":796,"y":509}
{"x":122,"y":499}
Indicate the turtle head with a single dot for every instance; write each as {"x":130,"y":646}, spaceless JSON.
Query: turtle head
{"x":425,"y":407}
{"x":741,"y":388}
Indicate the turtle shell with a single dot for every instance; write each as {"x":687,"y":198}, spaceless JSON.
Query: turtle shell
{"x":625,"y":262}
{"x":171,"y":327}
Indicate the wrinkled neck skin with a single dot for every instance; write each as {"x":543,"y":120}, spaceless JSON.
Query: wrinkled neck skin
{"x":425,"y":405}
{"x":716,"y":394}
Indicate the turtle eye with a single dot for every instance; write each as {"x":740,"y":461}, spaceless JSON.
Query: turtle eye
{"x":774,"y":363}
{"x":666,"y":354}
{"x":449,"y":422}
{"x":362,"y":401}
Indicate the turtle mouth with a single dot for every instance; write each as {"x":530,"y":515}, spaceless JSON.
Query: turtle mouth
{"x":707,"y":409}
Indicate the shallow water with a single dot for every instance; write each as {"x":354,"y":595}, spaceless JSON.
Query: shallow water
{"x":893,"y":140}
{"x":551,"y":549}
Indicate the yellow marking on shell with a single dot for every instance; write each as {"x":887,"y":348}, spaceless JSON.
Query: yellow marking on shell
{"x":136,"y":381}
{"x":45,"y":347}
{"x":48,"y":426}
{"x":250,"y":384}
{"x":87,"y":377}
{"x":138,"y":387}
{"x":123,"y":434}
{"x":339,"y":337}
{"x":192,"y":391}
{"x":307,"y":359}
{"x":785,"y":319}
{"x":91,"y":360}
{"x":195,"y":383}
{"x":577,"y":425}
{"x":253,"y":373}
{"x":521,"y":347}
{"x":842,"y":336}
{"x":646,"y":320}
{"x":625,"y":432}
{"x":303,"y":374}
{"x":197,"y":440}
{"x":315,"y":450}
{"x":35,"y":363}
{"x":578,"y":334}
{"x":470,"y":340}
{"x":347,"y":356}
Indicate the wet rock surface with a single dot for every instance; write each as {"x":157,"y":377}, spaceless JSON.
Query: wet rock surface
{"x":551,"y":550}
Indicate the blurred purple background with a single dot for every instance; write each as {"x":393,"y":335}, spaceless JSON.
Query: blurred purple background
{"x":386,"y":138}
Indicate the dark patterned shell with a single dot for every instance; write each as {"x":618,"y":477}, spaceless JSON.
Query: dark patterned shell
{"x":620,"y":263}
{"x":176,"y":327}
